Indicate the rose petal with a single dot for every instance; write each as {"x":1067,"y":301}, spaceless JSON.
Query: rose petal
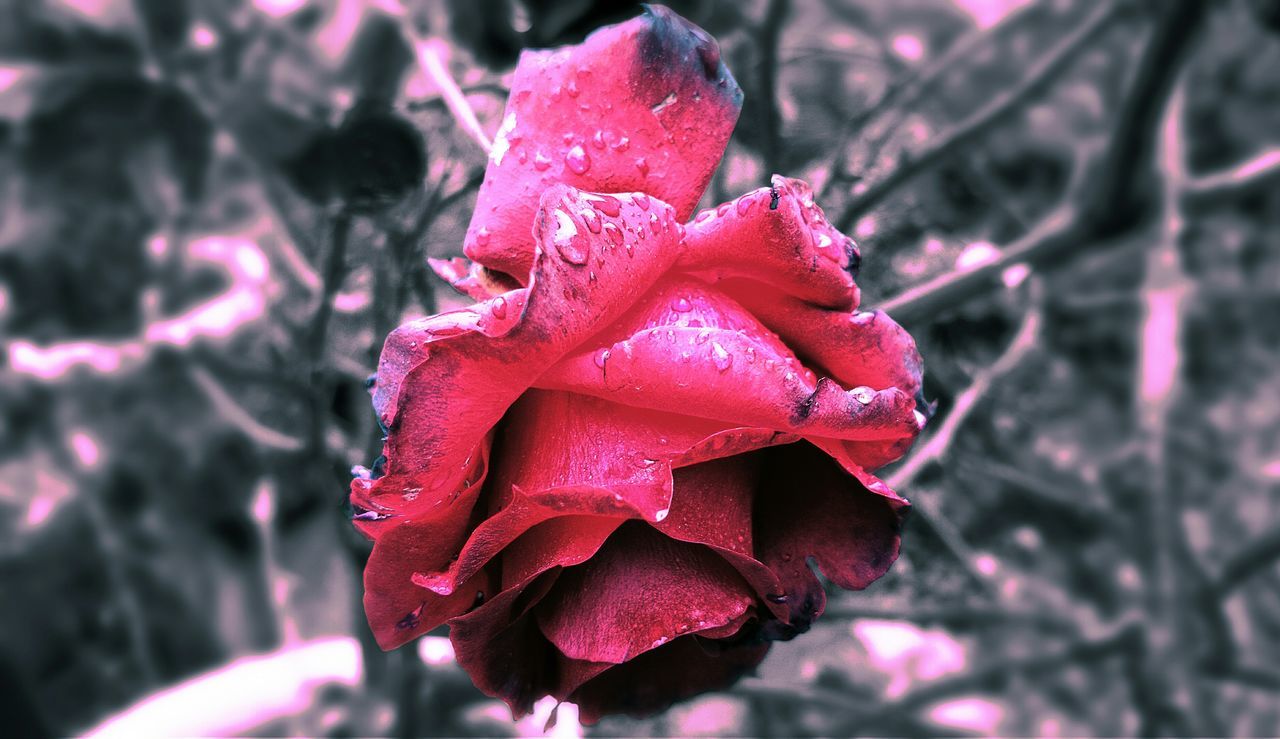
{"x":639,"y":591}
{"x":653,"y":681}
{"x":728,"y":376}
{"x":501,"y":648}
{"x":644,"y":105}
{"x":849,"y":527}
{"x":444,"y":381}
{"x":860,"y":348}
{"x":471,"y":279}
{"x":777,"y":236}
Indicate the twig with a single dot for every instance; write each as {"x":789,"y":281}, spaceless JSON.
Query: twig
{"x":1041,"y":75}
{"x":314,"y":345}
{"x":1257,"y":173}
{"x":940,"y":440}
{"x":769,"y":35}
{"x":1252,"y":558}
{"x":921,"y":79}
{"x":428,"y":53}
{"x":227,"y":407}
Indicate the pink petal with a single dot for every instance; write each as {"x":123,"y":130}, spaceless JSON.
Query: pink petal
{"x":644,"y":105}
{"x":639,"y":591}
{"x":776,"y":236}
{"x":471,"y":279}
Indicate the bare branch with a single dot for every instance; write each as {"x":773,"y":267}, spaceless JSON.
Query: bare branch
{"x":999,"y":108}
{"x":428,"y":53}
{"x":1257,"y":173}
{"x":1252,"y":558}
{"x":227,"y":407}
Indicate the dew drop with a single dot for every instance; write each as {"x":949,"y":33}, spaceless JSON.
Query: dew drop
{"x":573,"y":246}
{"x":661,"y":515}
{"x":622,"y":144}
{"x":681,"y":305}
{"x":744,"y":204}
{"x":655,"y":225}
{"x":705,"y":216}
{"x":720,"y":356}
{"x":592,"y":219}
{"x":722,"y":209}
{"x":598,"y":140}
{"x":482,"y":237}
{"x":541,"y":162}
{"x":643,"y":166}
{"x":614,"y":233}
{"x":609,"y":205}
{"x":499,"y":309}
{"x":522,"y":156}
{"x":572,"y":88}
{"x":567,"y":138}
{"x":642,"y":200}
{"x":751,"y":354}
{"x":777,"y":597}
{"x":659,"y":642}
{"x":577,"y":160}
{"x":824,"y":241}
{"x":702,"y":337}
{"x":863,"y":394}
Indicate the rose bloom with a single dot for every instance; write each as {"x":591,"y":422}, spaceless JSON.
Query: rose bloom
{"x":608,"y":475}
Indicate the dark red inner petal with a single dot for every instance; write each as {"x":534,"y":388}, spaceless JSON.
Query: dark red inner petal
{"x":808,"y":506}
{"x":654,"y":680}
{"x":641,"y":590}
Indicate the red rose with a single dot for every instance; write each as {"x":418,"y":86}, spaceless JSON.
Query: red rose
{"x":608,"y":479}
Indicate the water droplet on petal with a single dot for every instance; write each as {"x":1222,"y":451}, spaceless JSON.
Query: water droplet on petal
{"x":863,"y":394}
{"x":824,"y":241}
{"x":572,"y":88}
{"x":642,"y":200}
{"x":601,"y":357}
{"x":655,"y":225}
{"x":577,"y":160}
{"x":777,"y":597}
{"x":744,"y":204}
{"x":598,"y":140}
{"x":482,"y":237}
{"x":722,"y":209}
{"x":622,"y":144}
{"x":614,"y":233}
{"x":659,"y":642}
{"x":499,"y":308}
{"x":720,"y":356}
{"x":702,"y":337}
{"x":573,"y":246}
{"x":609,"y":205}
{"x":567,"y":138}
{"x":592,"y":219}
{"x":661,"y":515}
{"x":541,"y":162}
{"x":681,"y":305}
{"x":643,"y":166}
{"x":522,"y":156}
{"x":705,"y":216}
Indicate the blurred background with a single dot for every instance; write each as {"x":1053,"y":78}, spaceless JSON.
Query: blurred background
{"x":212,"y":212}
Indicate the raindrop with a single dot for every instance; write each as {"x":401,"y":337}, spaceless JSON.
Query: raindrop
{"x":863,"y":394}
{"x":573,"y":246}
{"x":567,"y":138}
{"x":609,"y":205}
{"x":642,"y":200}
{"x":643,"y":166}
{"x":681,"y":305}
{"x":482,"y":237}
{"x":499,"y":309}
{"x":702,"y":337}
{"x":598,"y":140}
{"x":541,"y":162}
{"x":572,"y":88}
{"x":777,"y":597}
{"x":522,"y":156}
{"x":592,"y":220}
{"x":622,"y":144}
{"x":744,"y":204}
{"x":751,"y":354}
{"x":824,"y":241}
{"x":661,"y":515}
{"x":659,"y":642}
{"x":655,"y":225}
{"x":720,"y":356}
{"x":704,"y":216}
{"x":614,"y":233}
{"x":577,"y":160}
{"x":722,"y":209}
